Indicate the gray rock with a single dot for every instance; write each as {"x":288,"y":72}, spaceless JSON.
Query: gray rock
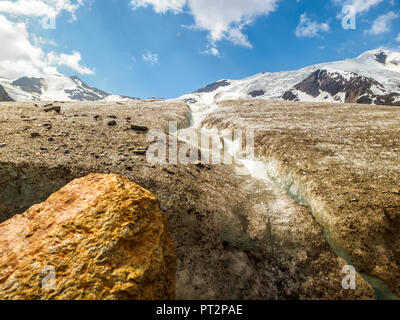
{"x":53,"y":108}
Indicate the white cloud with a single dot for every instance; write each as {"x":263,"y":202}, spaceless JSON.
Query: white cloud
{"x":222,"y":19}
{"x":360,"y":5}
{"x":150,"y":57}
{"x":160,"y":6}
{"x":37,"y":41}
{"x":309,"y":29}
{"x":40,"y":8}
{"x":69,"y":60}
{"x":19,"y":56}
{"x":213,"y":51}
{"x":383,"y":23}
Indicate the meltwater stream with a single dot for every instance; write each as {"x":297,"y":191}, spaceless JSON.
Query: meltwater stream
{"x":264,"y":172}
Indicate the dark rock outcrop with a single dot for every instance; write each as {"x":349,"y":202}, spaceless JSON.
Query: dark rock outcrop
{"x":4,"y":95}
{"x":257,"y":93}
{"x":190,"y":100}
{"x":355,"y":88}
{"x":381,"y":57}
{"x":290,"y":96}
{"x":214,"y":86}
{"x":32,"y":85}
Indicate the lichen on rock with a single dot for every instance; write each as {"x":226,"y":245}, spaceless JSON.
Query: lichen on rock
{"x":99,"y":237}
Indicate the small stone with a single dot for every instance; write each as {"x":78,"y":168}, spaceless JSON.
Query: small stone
{"x":2,"y":145}
{"x":140,"y":151}
{"x":139,"y":128}
{"x":53,"y":108}
{"x":202,"y":165}
{"x":112,"y":123}
{"x":35,"y":135}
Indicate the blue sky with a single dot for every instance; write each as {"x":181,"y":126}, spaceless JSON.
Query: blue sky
{"x":166,"y":48}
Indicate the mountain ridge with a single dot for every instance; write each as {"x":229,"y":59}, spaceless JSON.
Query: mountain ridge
{"x":53,"y":87}
{"x":371,"y":78}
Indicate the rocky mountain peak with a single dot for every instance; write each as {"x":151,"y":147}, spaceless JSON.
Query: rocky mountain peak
{"x":32,"y":85}
{"x":213,"y":86}
{"x":346,"y":87}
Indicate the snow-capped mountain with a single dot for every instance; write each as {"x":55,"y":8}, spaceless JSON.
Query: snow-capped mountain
{"x":371,"y":78}
{"x":52,"y":88}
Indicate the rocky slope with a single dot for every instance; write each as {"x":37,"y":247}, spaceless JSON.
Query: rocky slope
{"x":347,"y":87}
{"x":99,"y":237}
{"x":343,"y":164}
{"x":53,"y":87}
{"x":371,"y":78}
{"x":235,"y":238}
{"x":4,"y":95}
